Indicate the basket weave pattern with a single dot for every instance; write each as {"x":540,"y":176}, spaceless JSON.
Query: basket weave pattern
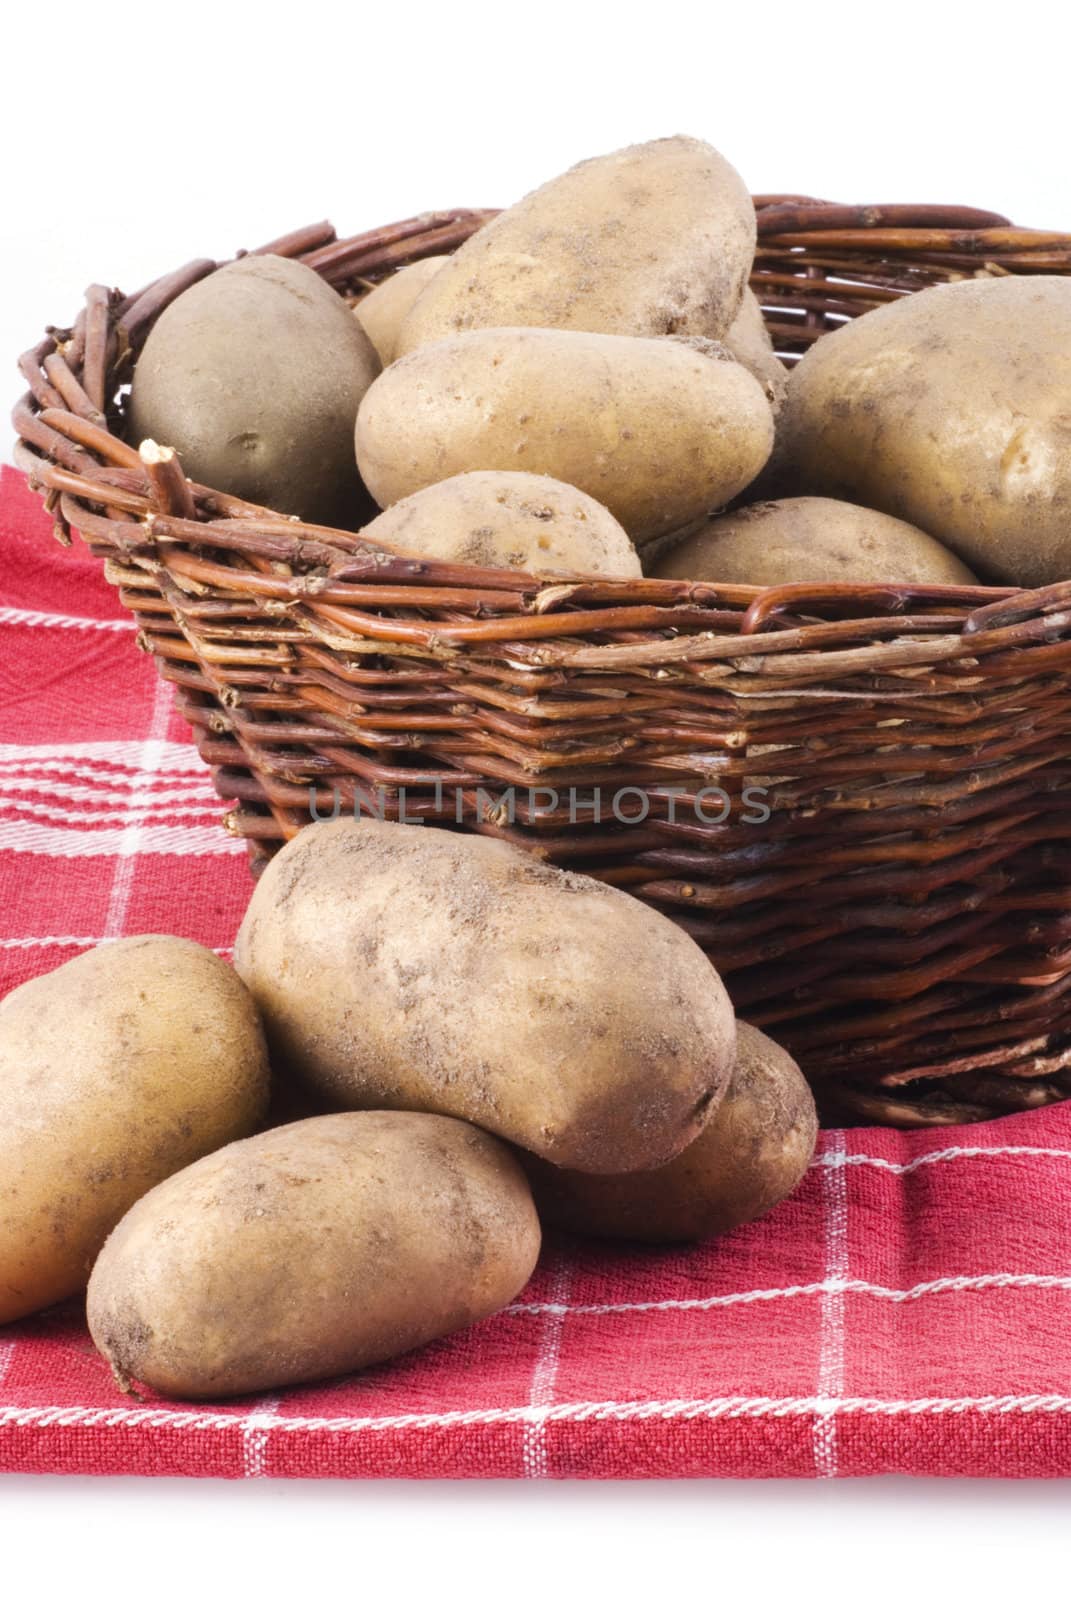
{"x":901,"y":918}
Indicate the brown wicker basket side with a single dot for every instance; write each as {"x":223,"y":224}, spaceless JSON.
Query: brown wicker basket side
{"x":857,"y":799}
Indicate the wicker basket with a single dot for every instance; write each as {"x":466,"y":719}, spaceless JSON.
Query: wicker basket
{"x":902,"y":918}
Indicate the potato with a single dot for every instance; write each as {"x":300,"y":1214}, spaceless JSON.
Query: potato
{"x":382,"y":311}
{"x":810,"y":540}
{"x":952,"y":408}
{"x":748,"y":341}
{"x":509,"y":519}
{"x":657,"y":430}
{"x":312,"y":1250}
{"x":752,"y":1153}
{"x":656,"y":238}
{"x":411,"y":968}
{"x":116,"y":1070}
{"x":254,"y":375}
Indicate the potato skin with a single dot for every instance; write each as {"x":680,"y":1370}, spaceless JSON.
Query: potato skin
{"x":653,"y":239}
{"x":950,"y":408}
{"x":509,"y":519}
{"x":384,"y":309}
{"x":254,"y":375}
{"x":115,"y":1070}
{"x":411,"y":968}
{"x":748,"y":341}
{"x":310,"y":1251}
{"x":810,"y":540}
{"x":752,"y":1153}
{"x":659,"y":431}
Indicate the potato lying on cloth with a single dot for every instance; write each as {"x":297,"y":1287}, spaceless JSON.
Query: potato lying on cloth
{"x":382,"y":311}
{"x":310,"y":1251}
{"x":412,"y":968}
{"x":653,"y":239}
{"x":952,"y":408}
{"x":254,"y":376}
{"x":810,"y":540}
{"x":748,"y":341}
{"x":116,"y":1070}
{"x":509,"y":519}
{"x":659,"y":431}
{"x":752,"y":1153}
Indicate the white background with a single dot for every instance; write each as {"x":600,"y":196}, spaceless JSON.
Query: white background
{"x":136,"y":137}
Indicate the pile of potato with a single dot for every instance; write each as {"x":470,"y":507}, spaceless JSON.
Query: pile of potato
{"x":462,"y":1028}
{"x":586,"y":387}
{"x":589,"y":377}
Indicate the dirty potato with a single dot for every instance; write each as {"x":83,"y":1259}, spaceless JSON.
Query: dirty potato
{"x":310,"y":1251}
{"x":660,"y":431}
{"x":116,"y":1070}
{"x":384,"y":309}
{"x":413,"y":968}
{"x":509,"y":519}
{"x":950,"y":408}
{"x":752,"y":1153}
{"x":810,"y":540}
{"x":653,"y":239}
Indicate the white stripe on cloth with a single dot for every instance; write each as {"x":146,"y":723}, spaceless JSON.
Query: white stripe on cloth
{"x":53,"y":619}
{"x":952,"y":1152}
{"x":728,"y":1408}
{"x":130,"y":846}
{"x":36,"y":838}
{"x":545,"y":1375}
{"x":82,"y":940}
{"x":45,"y":940}
{"x":825,"y":1286}
{"x":255,"y":1436}
{"x":831,"y":1336}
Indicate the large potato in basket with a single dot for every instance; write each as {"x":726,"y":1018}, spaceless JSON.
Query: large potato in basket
{"x":656,"y":238}
{"x":254,"y":376}
{"x":660,"y":431}
{"x":950,"y":408}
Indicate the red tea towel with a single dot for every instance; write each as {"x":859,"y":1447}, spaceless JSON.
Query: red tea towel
{"x":908,"y":1310}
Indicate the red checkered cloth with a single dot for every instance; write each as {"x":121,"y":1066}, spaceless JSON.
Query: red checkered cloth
{"x":907,"y":1310}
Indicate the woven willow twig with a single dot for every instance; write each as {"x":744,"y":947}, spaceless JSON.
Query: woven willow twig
{"x":901,"y":919}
